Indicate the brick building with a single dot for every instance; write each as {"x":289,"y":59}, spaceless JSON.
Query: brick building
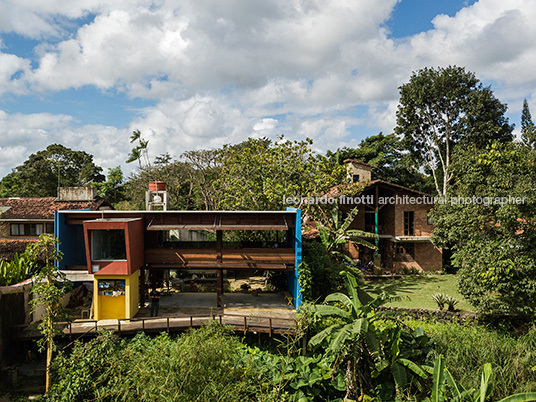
{"x":22,"y":220}
{"x":397,"y":214}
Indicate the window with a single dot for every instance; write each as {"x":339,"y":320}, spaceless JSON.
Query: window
{"x":26,"y":229}
{"x":50,"y":228}
{"x":355,"y":178}
{"x":111,"y":287}
{"x":408,"y":223}
{"x":108,"y":245}
{"x":17,"y":229}
{"x":429,"y":221}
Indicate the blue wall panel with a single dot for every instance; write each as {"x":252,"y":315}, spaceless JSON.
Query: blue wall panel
{"x":293,"y":277}
{"x":71,"y":239}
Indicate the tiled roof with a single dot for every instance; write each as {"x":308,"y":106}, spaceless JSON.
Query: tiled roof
{"x":42,"y":208}
{"x":344,"y":189}
{"x":9,"y":247}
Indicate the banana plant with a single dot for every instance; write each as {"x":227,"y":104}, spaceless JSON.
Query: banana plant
{"x":335,"y":232}
{"x":397,"y":363}
{"x":443,"y":381}
{"x":354,"y":339}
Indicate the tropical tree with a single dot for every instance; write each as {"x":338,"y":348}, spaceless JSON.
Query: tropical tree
{"x":49,"y":289}
{"x":140,"y":152}
{"x":442,"y":107}
{"x":392,"y":161}
{"x":489,"y":222}
{"x":43,"y":172}
{"x":528,"y":129}
{"x":335,"y":233}
{"x":259,"y":174}
{"x":367,"y":348}
{"x":113,"y":188}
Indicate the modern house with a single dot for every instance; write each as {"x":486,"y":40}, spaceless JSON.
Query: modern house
{"x":397,"y":214}
{"x":22,"y":220}
{"x":121,"y":249}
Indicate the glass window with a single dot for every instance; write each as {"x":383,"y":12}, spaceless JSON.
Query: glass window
{"x":355,"y":178}
{"x":408,"y":223}
{"x":17,"y":229}
{"x":108,"y":244}
{"x":39,"y":229}
{"x":111,"y":287}
{"x":50,"y":228}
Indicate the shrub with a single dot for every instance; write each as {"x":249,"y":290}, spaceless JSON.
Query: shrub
{"x":20,"y":268}
{"x":200,"y":365}
{"x":467,"y":348}
{"x":319,"y":274}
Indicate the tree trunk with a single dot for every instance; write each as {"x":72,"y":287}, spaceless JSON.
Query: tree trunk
{"x":351,"y":389}
{"x":49,"y":360}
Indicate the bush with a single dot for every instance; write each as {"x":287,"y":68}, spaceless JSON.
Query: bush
{"x":467,"y":348}
{"x":20,"y":268}
{"x":202,"y":365}
{"x":319,"y":274}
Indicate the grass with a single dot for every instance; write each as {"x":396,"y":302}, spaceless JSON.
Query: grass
{"x":416,"y":291}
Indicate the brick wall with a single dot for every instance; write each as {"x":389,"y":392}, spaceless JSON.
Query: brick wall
{"x":428,"y":257}
{"x":421,"y":227}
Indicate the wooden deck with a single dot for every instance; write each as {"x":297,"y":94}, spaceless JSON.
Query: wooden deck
{"x":89,"y":328}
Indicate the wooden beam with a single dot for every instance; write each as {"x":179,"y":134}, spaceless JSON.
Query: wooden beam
{"x":219,"y":288}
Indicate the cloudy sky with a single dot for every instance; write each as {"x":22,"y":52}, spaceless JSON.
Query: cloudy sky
{"x":196,"y":74}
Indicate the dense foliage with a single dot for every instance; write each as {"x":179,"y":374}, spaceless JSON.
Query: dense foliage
{"x":43,"y":172}
{"x":319,"y":274}
{"x":388,"y":154}
{"x":203,"y":365}
{"x":259,"y":174}
{"x":439,"y":108}
{"x":468,"y":347}
{"x":20,"y":268}
{"x":492,"y":239}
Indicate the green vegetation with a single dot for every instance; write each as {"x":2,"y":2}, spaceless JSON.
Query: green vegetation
{"x":203,"y":365}
{"x":42,"y":173}
{"x":319,"y":274}
{"x":417,"y":291}
{"x":467,"y":348}
{"x":394,"y":165}
{"x":493,"y":242}
{"x":440,"y":108}
{"x":20,"y":268}
{"x":49,"y":289}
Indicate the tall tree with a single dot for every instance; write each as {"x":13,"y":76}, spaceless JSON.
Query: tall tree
{"x":528,"y":129}
{"x":258,"y":174}
{"x":113,"y":188}
{"x":203,"y":170}
{"x":49,"y":289}
{"x":489,"y":222}
{"x":44,"y":171}
{"x":442,"y":107}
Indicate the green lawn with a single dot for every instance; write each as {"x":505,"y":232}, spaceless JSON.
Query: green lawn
{"x":417,"y":290}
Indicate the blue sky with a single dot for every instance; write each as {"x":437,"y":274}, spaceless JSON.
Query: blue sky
{"x":194,"y":75}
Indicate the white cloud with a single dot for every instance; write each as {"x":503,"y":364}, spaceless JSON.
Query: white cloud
{"x":220,"y":71}
{"x":24,"y":134}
